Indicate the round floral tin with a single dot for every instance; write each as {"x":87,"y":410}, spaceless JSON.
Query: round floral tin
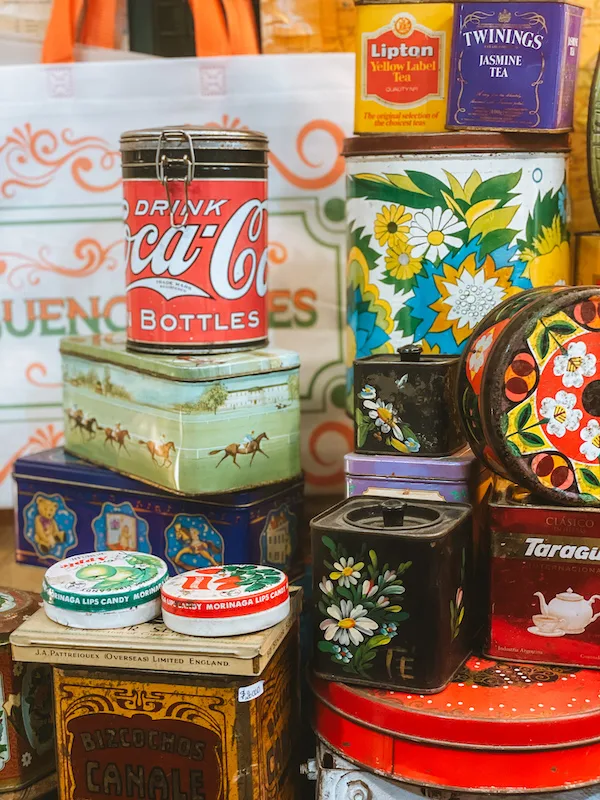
{"x":104,"y":590}
{"x":225,"y":601}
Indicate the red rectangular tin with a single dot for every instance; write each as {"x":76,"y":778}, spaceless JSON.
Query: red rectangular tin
{"x":544,"y":604}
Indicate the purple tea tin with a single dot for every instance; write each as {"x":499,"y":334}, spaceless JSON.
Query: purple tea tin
{"x":65,"y":506}
{"x":514,"y":66}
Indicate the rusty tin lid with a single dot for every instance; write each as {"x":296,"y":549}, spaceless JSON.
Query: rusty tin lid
{"x":463,"y":142}
{"x":15,"y":608}
{"x":179,"y":136}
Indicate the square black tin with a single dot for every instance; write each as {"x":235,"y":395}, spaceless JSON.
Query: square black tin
{"x":397,"y":577}
{"x":404,"y":404}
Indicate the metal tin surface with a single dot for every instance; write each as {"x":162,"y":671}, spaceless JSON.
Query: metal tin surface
{"x":520,"y":728}
{"x":514,"y":65}
{"x":196,"y":239}
{"x":183,"y":423}
{"x":392,"y":592}
{"x":405,"y":404}
{"x":587,"y":259}
{"x":93,"y":508}
{"x":593,"y":142}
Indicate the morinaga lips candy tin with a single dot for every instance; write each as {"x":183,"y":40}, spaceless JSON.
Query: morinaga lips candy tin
{"x":104,"y":590}
{"x":225,"y":601}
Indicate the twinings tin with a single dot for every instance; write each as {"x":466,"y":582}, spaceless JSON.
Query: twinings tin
{"x":587,"y":259}
{"x":225,"y":601}
{"x":194,"y":426}
{"x":65,"y":506}
{"x":405,"y":404}
{"x":26,"y":721}
{"x":392,"y":586}
{"x":514,"y":65}
{"x":402,"y":66}
{"x":196,"y":239}
{"x":496,"y":729}
{"x":104,"y":590}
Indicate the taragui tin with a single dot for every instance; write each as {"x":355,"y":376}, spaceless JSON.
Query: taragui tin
{"x":65,"y":506}
{"x":155,"y":713}
{"x":196,"y":239}
{"x":225,"y":601}
{"x":190,"y":425}
{"x":497,"y":728}
{"x":587,"y":259}
{"x":514,"y":65}
{"x":442,"y":229}
{"x":405,"y":404}
{"x":392,"y":592}
{"x":104,"y":590}
{"x":402,"y":66}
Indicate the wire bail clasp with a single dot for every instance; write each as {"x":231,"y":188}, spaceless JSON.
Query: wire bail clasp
{"x":163,"y":163}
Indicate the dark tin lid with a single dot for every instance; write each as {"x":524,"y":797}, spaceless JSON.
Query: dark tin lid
{"x":457,"y":467}
{"x":415,"y":519}
{"x":464,"y":142}
{"x":15,"y":607}
{"x":409,"y":354}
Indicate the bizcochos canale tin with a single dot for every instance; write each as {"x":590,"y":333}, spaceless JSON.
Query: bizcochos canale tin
{"x":196,"y":239}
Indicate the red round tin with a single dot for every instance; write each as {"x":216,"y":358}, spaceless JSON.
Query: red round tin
{"x":196,"y":239}
{"x":498,"y":728}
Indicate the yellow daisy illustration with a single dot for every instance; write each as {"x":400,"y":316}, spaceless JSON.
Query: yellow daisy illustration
{"x":400,"y":262}
{"x":390,"y":225}
{"x":549,"y":259}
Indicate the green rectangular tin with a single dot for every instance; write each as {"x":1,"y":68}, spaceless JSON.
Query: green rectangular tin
{"x":190,"y":425}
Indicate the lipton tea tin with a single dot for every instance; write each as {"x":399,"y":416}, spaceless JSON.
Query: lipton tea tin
{"x":26,"y":722}
{"x":442,"y":228}
{"x":587,"y":259}
{"x":392,"y":592}
{"x":65,"y":506}
{"x":498,"y":728}
{"x":194,"y":426}
{"x":514,"y":65}
{"x":196,"y":239}
{"x":104,"y":590}
{"x":144,"y":712}
{"x":402,"y":66}
{"x":225,"y":601}
{"x":405,"y":404}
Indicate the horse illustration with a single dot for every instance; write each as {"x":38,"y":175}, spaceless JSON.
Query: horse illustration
{"x":118,"y":436}
{"x":234,"y":450}
{"x":87,"y":425}
{"x":193,"y":545}
{"x":75,"y":415}
{"x":160,"y":450}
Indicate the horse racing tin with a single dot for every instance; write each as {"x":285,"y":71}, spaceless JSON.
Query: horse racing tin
{"x":497,"y":728}
{"x":26,"y":723}
{"x":405,"y":404}
{"x":196,"y":239}
{"x":104,"y":590}
{"x":190,"y":425}
{"x":144,"y":712}
{"x":225,"y":601}
{"x":392,"y":592}
{"x":65,"y":506}
{"x":402,"y":66}
{"x":514,"y":65}
{"x":587,"y":259}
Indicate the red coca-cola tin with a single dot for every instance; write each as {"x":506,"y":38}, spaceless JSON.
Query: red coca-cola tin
{"x":497,"y":728}
{"x":196,"y":239}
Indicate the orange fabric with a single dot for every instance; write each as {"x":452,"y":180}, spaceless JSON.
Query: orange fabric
{"x":61,"y":31}
{"x":98,"y":27}
{"x":241,"y":25}
{"x":210,"y":28}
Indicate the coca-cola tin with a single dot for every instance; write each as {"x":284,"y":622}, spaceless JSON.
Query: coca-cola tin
{"x":196,"y":239}
{"x":392,"y":589}
{"x":190,"y":425}
{"x":498,"y":728}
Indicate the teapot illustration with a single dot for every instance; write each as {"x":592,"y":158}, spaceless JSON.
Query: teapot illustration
{"x":572,"y":610}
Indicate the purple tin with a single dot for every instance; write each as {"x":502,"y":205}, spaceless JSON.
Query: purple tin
{"x":514,"y":66}
{"x":65,"y":506}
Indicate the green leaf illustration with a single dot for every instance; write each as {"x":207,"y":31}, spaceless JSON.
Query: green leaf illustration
{"x":373,"y":557}
{"x":363,"y":426}
{"x":387,"y":193}
{"x":523,"y":417}
{"x":496,"y":239}
{"x":377,"y":641}
{"x":496,"y":188}
{"x":532,"y":439}
{"x":504,"y":423}
{"x":544,"y":343}
{"x":405,"y":322}
{"x":326,"y":647}
{"x":427,"y":183}
{"x":588,"y":498}
{"x":344,"y":592}
{"x":322,"y":608}
{"x":358,"y":238}
{"x":461,"y":616}
{"x":562,"y":328}
{"x":395,"y":589}
{"x":330,"y":545}
{"x":513,"y":449}
{"x":589,"y":477}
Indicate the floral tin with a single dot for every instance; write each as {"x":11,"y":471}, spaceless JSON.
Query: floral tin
{"x":587,"y":259}
{"x":26,"y":723}
{"x":392,"y":592}
{"x":496,"y":729}
{"x":514,"y":65}
{"x":145,"y":712}
{"x":442,"y":229}
{"x":405,"y":404}
{"x":402,"y":66}
{"x":65,"y":506}
{"x":191,"y":425}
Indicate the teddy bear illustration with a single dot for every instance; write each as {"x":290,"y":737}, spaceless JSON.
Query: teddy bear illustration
{"x":47,"y":532}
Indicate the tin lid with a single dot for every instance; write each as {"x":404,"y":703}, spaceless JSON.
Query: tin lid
{"x":111,"y":349}
{"x":178,"y":137}
{"x":458,"y":141}
{"x":239,"y":590}
{"x":488,"y":704}
{"x":105,"y":581}
{"x":410,"y":354}
{"x":455,"y":468}
{"x":15,"y":607}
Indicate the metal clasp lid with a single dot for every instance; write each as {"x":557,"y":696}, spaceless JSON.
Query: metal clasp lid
{"x":163,"y":162}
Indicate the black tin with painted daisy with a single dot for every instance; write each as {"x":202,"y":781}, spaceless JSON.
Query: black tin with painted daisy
{"x":392,"y":592}
{"x":405,"y":404}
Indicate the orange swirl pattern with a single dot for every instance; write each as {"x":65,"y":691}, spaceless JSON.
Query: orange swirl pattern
{"x":278,"y":253}
{"x":42,"y":439}
{"x":336,"y":478}
{"x":39,"y":368}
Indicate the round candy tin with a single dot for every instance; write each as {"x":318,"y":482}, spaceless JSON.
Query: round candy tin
{"x":225,"y":601}
{"x":104,"y":590}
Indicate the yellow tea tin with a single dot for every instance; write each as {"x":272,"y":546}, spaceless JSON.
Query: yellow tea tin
{"x":587,"y":259}
{"x":402,"y":66}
